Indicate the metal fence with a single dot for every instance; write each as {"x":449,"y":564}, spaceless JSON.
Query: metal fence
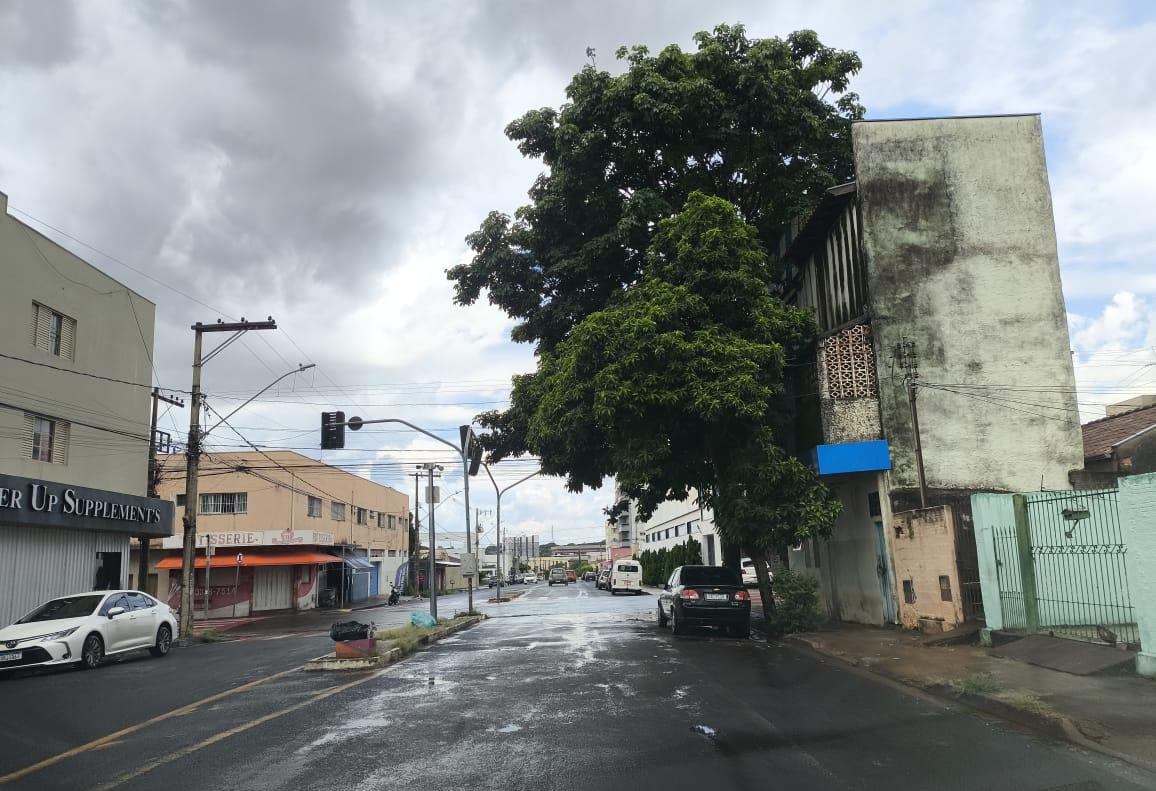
{"x":1076,"y":583}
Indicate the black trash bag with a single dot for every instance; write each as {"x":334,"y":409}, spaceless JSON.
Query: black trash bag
{"x":349,"y":630}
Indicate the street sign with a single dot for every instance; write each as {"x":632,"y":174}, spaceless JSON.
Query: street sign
{"x":469,"y":564}
{"x":240,"y":558}
{"x":433,"y":494}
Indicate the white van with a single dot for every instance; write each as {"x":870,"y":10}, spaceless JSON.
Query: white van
{"x":625,"y":575}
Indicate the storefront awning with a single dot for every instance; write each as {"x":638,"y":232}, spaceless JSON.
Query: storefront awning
{"x":256,"y":558}
{"x":355,"y":562}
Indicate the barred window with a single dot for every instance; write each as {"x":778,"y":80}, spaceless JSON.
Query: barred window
{"x":359,"y":515}
{"x":392,"y":522}
{"x":225,"y":503}
{"x":337,"y":512}
{"x":314,"y":507}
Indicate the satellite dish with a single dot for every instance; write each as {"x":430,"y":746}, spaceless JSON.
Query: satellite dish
{"x":354,"y":423}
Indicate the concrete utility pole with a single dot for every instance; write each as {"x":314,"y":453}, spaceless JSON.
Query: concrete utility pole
{"x":432,"y":573}
{"x":143,"y":543}
{"x":908,"y":358}
{"x":415,"y":538}
{"x":193,"y":454}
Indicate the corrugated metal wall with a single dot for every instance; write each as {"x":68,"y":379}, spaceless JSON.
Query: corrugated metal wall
{"x":39,"y":563}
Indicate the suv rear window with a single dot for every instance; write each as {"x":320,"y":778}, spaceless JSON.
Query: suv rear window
{"x":628,"y":568}
{"x":708,"y":575}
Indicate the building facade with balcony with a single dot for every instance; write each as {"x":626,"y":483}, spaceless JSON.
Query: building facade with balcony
{"x":674,"y":521}
{"x":75,"y":375}
{"x":287,"y":532}
{"x":943,"y":253}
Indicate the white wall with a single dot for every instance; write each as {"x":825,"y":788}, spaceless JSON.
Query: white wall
{"x":676,"y":513}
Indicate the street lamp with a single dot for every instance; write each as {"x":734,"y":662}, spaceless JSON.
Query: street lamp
{"x":498,"y":518}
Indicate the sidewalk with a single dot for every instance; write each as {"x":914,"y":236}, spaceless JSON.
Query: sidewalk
{"x":1111,"y":714}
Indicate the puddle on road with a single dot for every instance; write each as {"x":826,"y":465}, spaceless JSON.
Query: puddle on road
{"x":505,"y":729}
{"x":705,"y":730}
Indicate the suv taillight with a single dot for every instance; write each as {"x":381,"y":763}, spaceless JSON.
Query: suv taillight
{"x":742,"y":596}
{"x":688,"y":594}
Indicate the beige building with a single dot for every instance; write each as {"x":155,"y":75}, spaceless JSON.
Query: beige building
{"x":75,"y":374}
{"x":287,"y":532}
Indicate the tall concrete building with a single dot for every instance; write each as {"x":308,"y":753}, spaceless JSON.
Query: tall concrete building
{"x":75,"y":372}
{"x":938,"y":261}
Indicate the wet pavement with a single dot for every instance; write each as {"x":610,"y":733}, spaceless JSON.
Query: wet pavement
{"x":568,"y":687}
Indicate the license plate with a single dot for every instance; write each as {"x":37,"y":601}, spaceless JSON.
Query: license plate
{"x":10,"y":657}
{"x":717,"y":597}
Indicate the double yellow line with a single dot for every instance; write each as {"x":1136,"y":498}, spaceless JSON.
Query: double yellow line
{"x":111,"y":738}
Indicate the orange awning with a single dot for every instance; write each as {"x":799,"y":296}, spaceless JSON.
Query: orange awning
{"x":255,"y":558}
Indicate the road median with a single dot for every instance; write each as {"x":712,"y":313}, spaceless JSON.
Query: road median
{"x":395,"y":644}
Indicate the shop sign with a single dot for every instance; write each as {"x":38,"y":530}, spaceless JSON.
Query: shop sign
{"x":45,"y":503}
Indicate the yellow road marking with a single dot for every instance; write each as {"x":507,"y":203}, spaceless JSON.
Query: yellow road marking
{"x":220,"y":737}
{"x":105,"y":741}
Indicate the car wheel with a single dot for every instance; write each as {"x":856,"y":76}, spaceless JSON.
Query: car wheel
{"x":676,"y":624}
{"x":662,"y":620}
{"x":91,"y":653}
{"x":164,"y":641}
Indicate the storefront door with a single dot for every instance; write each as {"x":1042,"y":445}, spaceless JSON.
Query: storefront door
{"x":272,"y":588}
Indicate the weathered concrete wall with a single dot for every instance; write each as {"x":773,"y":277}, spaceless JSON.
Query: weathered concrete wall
{"x":923,"y":545}
{"x":1137,"y":505}
{"x":960,"y":248}
{"x":851,"y":562}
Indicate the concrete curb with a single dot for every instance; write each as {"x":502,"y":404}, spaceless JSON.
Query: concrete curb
{"x":1052,"y":724}
{"x":330,"y":662}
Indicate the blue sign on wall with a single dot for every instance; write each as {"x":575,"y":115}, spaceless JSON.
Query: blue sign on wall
{"x":853,"y":457}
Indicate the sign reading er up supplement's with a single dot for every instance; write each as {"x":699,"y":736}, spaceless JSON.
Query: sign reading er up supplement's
{"x":26,"y":501}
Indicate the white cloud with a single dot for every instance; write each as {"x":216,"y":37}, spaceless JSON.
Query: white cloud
{"x":1115,"y":353}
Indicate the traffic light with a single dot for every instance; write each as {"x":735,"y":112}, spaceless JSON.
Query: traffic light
{"x":473,"y":448}
{"x":332,"y":430}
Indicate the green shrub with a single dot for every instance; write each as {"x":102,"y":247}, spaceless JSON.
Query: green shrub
{"x":796,"y":603}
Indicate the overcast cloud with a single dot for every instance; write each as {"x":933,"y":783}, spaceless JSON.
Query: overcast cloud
{"x":321,"y":162}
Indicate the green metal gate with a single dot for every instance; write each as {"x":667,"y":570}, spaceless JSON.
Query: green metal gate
{"x":1075,"y":583}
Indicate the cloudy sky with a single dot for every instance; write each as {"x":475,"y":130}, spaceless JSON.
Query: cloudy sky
{"x":321,"y":162}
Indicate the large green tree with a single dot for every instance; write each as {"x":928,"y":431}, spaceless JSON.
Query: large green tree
{"x":640,"y":272}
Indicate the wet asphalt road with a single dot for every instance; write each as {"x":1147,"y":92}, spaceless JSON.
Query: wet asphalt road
{"x":562,"y":688}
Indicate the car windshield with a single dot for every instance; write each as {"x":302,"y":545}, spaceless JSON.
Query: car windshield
{"x":68,"y":607}
{"x":708,"y":575}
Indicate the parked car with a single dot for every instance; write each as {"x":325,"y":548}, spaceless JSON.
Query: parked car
{"x":749,"y":578}
{"x":589,"y":576}
{"x":557,"y":576}
{"x":85,"y":628}
{"x":705,"y":596}
{"x":530,"y":579}
{"x":602,"y":579}
{"x":571,"y":576}
{"x":625,"y":575}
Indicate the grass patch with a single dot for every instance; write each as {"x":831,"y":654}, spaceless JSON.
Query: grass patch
{"x":1026,"y":701}
{"x":407,"y":638}
{"x":211,"y":636}
{"x":979,"y":684}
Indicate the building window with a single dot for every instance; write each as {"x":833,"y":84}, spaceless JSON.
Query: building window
{"x":181,"y":500}
{"x":53,"y":332}
{"x":381,"y":519}
{"x":393,"y":553}
{"x":314,"y":508}
{"x":45,"y":439}
{"x":337,"y":512}
{"x":908,"y":592}
{"x":676,"y":527}
{"x":359,"y":515}
{"x":393,"y":522}
{"x":944,"y":588}
{"x":225,"y":503}
{"x":873,"y":506}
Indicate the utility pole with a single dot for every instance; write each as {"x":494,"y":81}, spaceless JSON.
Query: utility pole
{"x":415,"y":537}
{"x":192,"y":473}
{"x":430,"y":467}
{"x":909,"y":359}
{"x":143,"y":543}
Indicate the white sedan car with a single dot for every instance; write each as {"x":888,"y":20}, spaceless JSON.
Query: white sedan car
{"x":85,"y":628}
{"x":531,"y":579}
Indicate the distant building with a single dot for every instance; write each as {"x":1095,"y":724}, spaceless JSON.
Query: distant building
{"x":517,"y":550}
{"x":1123,"y":443}
{"x":74,"y":423}
{"x":289,"y":532}
{"x":673,"y":522}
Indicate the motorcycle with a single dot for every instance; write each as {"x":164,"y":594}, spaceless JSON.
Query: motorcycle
{"x":394,"y":596}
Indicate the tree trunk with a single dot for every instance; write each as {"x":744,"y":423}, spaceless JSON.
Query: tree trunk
{"x":766,"y":593}
{"x":732,"y":556}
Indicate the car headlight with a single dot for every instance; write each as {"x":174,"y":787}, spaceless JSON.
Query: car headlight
{"x":57,"y":635}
